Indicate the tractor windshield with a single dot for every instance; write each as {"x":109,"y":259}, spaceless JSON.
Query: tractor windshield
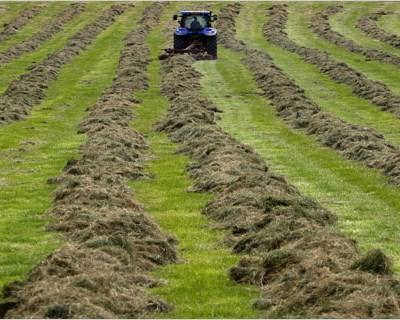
{"x":195,"y":22}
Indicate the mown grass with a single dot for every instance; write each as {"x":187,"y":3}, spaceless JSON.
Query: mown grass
{"x":36,"y":149}
{"x":333,"y":97}
{"x":34,"y":25}
{"x":298,"y":30}
{"x":12,"y":10}
{"x":367,"y":207}
{"x":17,"y":67}
{"x":391,"y":22}
{"x":198,"y":287}
{"x":345,"y":23}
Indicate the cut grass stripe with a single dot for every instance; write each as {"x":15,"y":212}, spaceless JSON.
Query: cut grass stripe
{"x":331,"y":96}
{"x":34,"y":25}
{"x":391,"y":22}
{"x":199,"y":287}
{"x":299,"y":31}
{"x":345,"y":22}
{"x":17,"y":67}
{"x":367,"y":207}
{"x":36,"y":149}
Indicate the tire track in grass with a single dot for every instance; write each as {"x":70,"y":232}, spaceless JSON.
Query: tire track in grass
{"x":47,"y":29}
{"x":19,"y":66}
{"x":199,"y":287}
{"x":329,"y":95}
{"x":30,"y":88}
{"x":36,"y":149}
{"x":355,"y":193}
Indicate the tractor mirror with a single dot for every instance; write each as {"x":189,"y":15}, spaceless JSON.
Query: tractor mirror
{"x":215,"y":17}
{"x":175,"y":17}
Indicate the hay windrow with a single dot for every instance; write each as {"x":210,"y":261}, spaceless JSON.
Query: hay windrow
{"x":289,"y":244}
{"x":320,"y":25}
{"x":48,"y":31}
{"x":102,"y":270}
{"x":30,"y":88}
{"x":12,"y":27}
{"x":351,"y":141}
{"x":376,"y":92}
{"x":368,"y":24}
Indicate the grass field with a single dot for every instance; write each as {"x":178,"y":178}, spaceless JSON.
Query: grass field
{"x":52,"y":9}
{"x":298,"y":29}
{"x":329,"y":95}
{"x":12,"y":70}
{"x":342,"y":186}
{"x":11,"y":13}
{"x":35,"y":150}
{"x":200,"y":282}
{"x":345,"y":23}
{"x":203,"y":269}
{"x":389,"y":22}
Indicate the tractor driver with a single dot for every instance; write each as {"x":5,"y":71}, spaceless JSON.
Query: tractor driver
{"x":195,"y":25}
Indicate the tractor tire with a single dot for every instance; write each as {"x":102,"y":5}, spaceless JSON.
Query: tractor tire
{"x":212,"y":47}
{"x":179,"y":42}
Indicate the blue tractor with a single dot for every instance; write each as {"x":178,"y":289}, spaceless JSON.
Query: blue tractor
{"x":195,"y":33}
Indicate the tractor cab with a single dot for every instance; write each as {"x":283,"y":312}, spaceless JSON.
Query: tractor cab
{"x":195,"y":21}
{"x":195,"y":32}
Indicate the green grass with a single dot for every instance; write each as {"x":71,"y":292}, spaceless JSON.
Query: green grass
{"x":329,"y":95}
{"x":391,"y":22}
{"x":14,"y":9}
{"x":367,"y":207}
{"x":298,"y":30}
{"x":17,"y":67}
{"x":199,"y":287}
{"x":34,"y":25}
{"x":36,"y":149}
{"x":345,"y":23}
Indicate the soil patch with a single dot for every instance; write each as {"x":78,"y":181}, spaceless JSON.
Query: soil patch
{"x":30,"y":88}
{"x":368,"y":24}
{"x":111,"y":242}
{"x":320,"y":25}
{"x":46,"y":33}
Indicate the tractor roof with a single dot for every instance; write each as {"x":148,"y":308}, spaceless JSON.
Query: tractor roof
{"x":188,"y":12}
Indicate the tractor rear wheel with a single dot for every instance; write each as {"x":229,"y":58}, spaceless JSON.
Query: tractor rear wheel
{"x":179,"y":42}
{"x":212,"y":47}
